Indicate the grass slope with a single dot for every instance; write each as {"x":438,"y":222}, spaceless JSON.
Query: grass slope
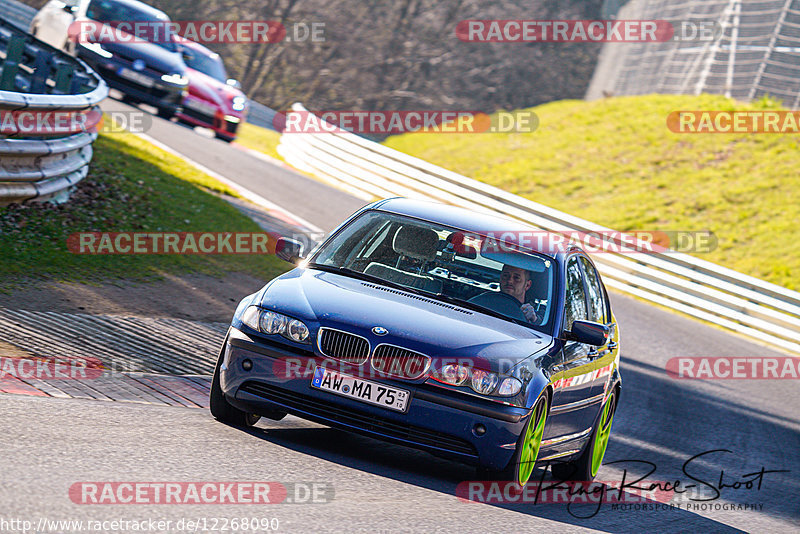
{"x":257,"y":138}
{"x":131,"y":186}
{"x":614,"y":162}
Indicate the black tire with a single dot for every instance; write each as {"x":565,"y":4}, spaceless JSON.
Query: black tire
{"x":511,"y":473}
{"x":581,"y":469}
{"x":223,"y":138}
{"x":166,"y":114}
{"x":220,"y":408}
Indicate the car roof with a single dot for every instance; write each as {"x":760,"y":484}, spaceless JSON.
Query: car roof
{"x":157,"y":13}
{"x":194,"y":45}
{"x":501,"y":227}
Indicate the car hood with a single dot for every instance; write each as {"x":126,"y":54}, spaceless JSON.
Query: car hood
{"x":443,"y":331}
{"x":209,"y":88}
{"x":155,"y":56}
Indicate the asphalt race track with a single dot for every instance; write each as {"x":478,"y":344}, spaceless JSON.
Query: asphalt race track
{"x":376,"y":487}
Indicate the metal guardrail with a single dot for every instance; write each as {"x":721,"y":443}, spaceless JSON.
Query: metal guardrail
{"x":39,"y":78}
{"x":261,"y":115}
{"x":21,"y":15}
{"x":17,"y":13}
{"x":757,"y":309}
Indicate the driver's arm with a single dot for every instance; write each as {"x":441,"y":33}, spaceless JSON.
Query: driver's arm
{"x":529,"y":313}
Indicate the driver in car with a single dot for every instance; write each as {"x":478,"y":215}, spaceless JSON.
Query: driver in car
{"x":515,"y":281}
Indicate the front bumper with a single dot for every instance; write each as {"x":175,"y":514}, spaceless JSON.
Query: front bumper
{"x":436,"y":421}
{"x":207,"y":118}
{"x":161,"y":95}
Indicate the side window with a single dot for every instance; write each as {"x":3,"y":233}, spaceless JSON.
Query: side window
{"x":597,"y":305}
{"x":575,"y":306}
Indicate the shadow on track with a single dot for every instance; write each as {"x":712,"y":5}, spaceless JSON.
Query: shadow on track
{"x":661,"y":421}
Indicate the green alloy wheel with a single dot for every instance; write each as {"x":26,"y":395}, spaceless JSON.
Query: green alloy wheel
{"x":531,"y":442}
{"x":587,"y":465}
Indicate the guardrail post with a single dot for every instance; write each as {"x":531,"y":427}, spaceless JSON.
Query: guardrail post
{"x":64,"y":73}
{"x":11,"y":65}
{"x":79,"y":82}
{"x":41,"y":71}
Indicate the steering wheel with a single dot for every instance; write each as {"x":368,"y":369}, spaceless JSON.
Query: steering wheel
{"x":501,"y":303}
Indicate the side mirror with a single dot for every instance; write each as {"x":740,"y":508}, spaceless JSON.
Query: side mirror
{"x":234,"y":83}
{"x":588,"y":332}
{"x":289,"y":250}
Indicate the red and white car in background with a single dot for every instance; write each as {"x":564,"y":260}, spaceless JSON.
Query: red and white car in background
{"x":213,"y":100}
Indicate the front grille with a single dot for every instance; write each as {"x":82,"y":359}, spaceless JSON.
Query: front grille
{"x":328,"y":413}
{"x":343,"y":346}
{"x":390,"y":360}
{"x":199,"y":115}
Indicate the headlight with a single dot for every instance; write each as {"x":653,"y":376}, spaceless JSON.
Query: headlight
{"x":483,"y":382}
{"x":270,"y":322}
{"x":454,"y":374}
{"x":238,"y":103}
{"x":480,"y":381}
{"x":250,"y":317}
{"x":297,"y":331}
{"x":509,"y":387}
{"x":176,"y":78}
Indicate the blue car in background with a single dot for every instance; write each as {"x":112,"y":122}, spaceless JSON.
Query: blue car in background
{"x":152,"y":72}
{"x":436,"y":328}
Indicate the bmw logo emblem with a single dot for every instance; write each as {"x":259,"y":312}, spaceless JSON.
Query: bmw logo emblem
{"x":379,"y":331}
{"x":138,"y":64}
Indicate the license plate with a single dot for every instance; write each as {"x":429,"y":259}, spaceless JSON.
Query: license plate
{"x":137,"y":77}
{"x":202,"y":107}
{"x":361,"y":390}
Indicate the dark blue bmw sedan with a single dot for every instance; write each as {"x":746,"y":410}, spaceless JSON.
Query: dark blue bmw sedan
{"x":469,"y":336}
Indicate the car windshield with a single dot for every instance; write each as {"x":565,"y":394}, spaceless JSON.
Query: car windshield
{"x":113,"y":12}
{"x":446,"y":264}
{"x":210,"y":65}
